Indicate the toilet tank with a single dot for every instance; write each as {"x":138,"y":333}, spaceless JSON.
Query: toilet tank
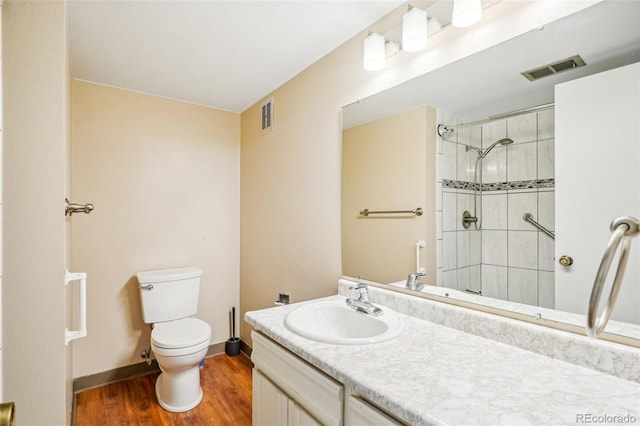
{"x":169,"y":294}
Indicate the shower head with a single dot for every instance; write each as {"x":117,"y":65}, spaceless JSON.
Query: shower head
{"x":505,"y":141}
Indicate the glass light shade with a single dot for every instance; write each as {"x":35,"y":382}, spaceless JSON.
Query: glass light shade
{"x":414,"y":30}
{"x":466,"y":12}
{"x":374,"y":52}
{"x":433,"y":25}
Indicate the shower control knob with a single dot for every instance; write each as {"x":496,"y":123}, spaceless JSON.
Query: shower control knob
{"x":565,"y":260}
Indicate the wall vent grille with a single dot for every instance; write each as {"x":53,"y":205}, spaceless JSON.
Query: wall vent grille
{"x":554,"y":68}
{"x":266,"y":114}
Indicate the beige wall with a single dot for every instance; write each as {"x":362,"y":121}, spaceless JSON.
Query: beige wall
{"x":164,"y":178}
{"x":388,"y":164}
{"x":290,"y":184}
{"x":35,"y":145}
{"x":290,"y":192}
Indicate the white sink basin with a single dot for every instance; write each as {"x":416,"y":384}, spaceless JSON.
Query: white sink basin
{"x":334,"y":322}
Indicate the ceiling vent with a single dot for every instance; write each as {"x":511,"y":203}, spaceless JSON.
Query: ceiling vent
{"x":554,"y":68}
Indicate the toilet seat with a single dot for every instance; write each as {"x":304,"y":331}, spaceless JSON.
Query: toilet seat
{"x":181,"y":337}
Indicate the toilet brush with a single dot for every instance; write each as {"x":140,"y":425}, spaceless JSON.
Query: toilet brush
{"x":232,"y":347}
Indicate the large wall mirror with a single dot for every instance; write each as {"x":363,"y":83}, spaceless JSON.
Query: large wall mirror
{"x":456,"y":168}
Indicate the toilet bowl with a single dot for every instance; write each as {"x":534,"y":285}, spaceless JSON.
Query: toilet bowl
{"x":179,"y":346}
{"x":169,"y":300}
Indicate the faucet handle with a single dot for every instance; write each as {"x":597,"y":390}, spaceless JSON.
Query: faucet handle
{"x":412,"y":279}
{"x":363,"y":290}
{"x":416,"y":275}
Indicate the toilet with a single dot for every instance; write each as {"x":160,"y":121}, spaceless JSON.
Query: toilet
{"x":169,"y":299}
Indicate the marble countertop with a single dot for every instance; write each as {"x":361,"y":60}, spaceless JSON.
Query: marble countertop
{"x":435,"y":375}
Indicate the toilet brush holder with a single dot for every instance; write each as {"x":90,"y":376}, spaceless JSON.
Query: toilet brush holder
{"x":232,"y":347}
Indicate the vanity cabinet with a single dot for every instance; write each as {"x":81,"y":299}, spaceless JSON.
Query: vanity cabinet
{"x":271,"y":406}
{"x":288,"y":391}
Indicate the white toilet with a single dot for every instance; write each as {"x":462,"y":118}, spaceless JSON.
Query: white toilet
{"x":169,"y":298}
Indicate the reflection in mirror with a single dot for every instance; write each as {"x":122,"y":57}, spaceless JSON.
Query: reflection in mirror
{"x":492,"y":171}
{"x":386,"y":166}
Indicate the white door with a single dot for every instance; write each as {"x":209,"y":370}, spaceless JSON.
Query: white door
{"x":1,"y":387}
{"x":597,"y":180}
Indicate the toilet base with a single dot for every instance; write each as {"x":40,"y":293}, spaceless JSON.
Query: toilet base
{"x":178,"y":399}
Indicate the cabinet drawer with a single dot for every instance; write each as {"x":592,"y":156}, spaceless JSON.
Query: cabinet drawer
{"x":320,"y":395}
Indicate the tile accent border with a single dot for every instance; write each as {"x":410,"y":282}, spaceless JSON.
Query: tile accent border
{"x":499,"y":186}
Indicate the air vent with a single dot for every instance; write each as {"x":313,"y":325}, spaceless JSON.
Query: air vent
{"x":554,"y":68}
{"x":266,"y":121}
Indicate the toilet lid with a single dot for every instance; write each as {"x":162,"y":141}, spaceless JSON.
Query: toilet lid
{"x":180,"y":334}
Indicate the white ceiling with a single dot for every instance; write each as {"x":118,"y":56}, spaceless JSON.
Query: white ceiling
{"x":219,"y":53}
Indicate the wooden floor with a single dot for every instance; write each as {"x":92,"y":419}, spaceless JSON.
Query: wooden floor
{"x":226,"y":383}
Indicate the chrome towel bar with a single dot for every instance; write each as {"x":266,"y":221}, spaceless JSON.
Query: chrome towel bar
{"x":623,"y":230}
{"x":528,"y":217}
{"x":417,"y":212}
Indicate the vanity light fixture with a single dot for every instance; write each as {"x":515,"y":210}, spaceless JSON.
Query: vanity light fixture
{"x":414,"y":30}
{"x":433,"y":25}
{"x":466,"y":12}
{"x":374,"y":52}
{"x":416,"y":27}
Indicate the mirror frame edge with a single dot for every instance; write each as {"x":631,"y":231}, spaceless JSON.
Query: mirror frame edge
{"x":549,"y":323}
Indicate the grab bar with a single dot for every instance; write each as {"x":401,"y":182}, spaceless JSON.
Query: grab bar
{"x":528,"y":217}
{"x":70,"y":335}
{"x":419,"y":244}
{"x":623,"y":230}
{"x":417,"y":212}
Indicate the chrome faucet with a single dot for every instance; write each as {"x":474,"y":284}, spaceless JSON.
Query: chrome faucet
{"x":362,"y":303}
{"x":412,"y":281}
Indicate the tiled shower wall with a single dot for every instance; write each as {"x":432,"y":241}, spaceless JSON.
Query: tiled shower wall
{"x":507,"y":258}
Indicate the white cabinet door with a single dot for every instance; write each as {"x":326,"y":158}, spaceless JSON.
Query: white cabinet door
{"x":298,"y":416}
{"x":269,"y":406}
{"x":272,"y":407}
{"x":597,"y":180}
{"x":320,"y":395}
